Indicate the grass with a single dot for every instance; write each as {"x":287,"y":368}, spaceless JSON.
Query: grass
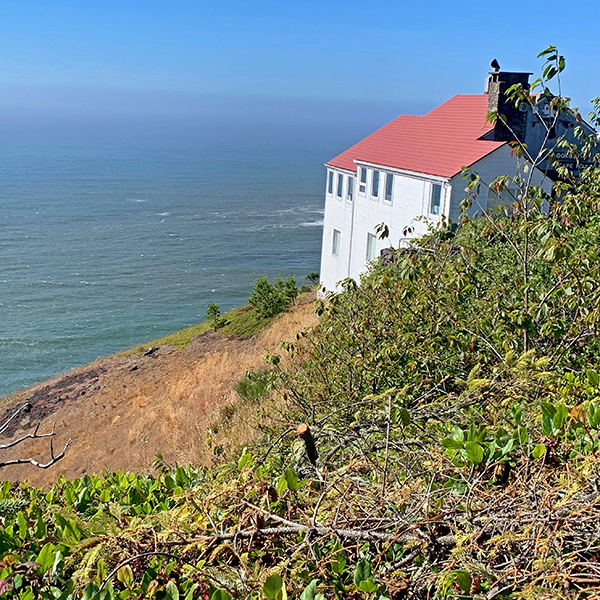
{"x":243,"y":321}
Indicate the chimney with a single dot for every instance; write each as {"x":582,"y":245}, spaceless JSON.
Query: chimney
{"x":516,"y":120}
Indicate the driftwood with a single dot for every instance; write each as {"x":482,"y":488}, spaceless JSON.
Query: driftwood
{"x":30,"y":436}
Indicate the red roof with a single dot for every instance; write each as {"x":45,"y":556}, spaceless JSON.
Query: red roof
{"x":438,"y":143}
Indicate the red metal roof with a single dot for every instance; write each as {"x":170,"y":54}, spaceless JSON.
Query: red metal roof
{"x":438,"y":143}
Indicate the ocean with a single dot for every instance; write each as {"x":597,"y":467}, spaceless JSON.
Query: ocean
{"x":105,"y":246}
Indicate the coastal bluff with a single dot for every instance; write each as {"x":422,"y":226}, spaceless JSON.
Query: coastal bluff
{"x":120,"y":411}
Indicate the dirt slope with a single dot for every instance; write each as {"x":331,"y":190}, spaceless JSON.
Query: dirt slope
{"x":120,"y":411}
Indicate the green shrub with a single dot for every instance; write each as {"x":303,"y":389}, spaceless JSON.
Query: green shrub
{"x":270,"y":299}
{"x":254,"y":385}
{"x":213,"y":314}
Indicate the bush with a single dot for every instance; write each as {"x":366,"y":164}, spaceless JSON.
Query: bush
{"x":254,"y":385}
{"x":271,"y":299}
{"x":213,"y":314}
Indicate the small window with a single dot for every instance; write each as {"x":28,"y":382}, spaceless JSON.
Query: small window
{"x":340,"y":186}
{"x":362,"y":188}
{"x":371,"y":247}
{"x":335,"y":247}
{"x":350,"y":187}
{"x":375,"y":184}
{"x":330,"y":182}
{"x":436,"y":199}
{"x":389,"y":186}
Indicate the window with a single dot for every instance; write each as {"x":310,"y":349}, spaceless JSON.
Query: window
{"x":335,"y":247}
{"x":375,"y":184}
{"x":389,"y":185}
{"x":371,"y":247}
{"x":330,"y":182}
{"x":350,"y":187}
{"x":436,"y":199}
{"x":362,"y":188}
{"x":340,"y":186}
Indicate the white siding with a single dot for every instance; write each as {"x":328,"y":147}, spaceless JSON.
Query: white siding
{"x":410,"y":200}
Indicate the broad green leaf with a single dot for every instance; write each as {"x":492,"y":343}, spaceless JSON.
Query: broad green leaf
{"x":281,"y":486}
{"x":362,"y":572}
{"x":562,"y":414}
{"x":338,"y":563}
{"x":368,"y":586}
{"x":293,"y":481}
{"x":593,"y":377}
{"x":452,"y":443}
{"x":245,"y":460}
{"x":274,"y":588}
{"x":310,"y":591}
{"x":539,"y":451}
{"x":220,"y":595}
{"x":464,"y":581}
{"x":46,"y":556}
{"x":474,"y":452}
{"x":125,"y":576}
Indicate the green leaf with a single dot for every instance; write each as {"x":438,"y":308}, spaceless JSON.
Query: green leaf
{"x":293,"y":481}
{"x":172,"y":593}
{"x":452,"y":443}
{"x":125,"y":576}
{"x":538,"y":451}
{"x":562,"y":414}
{"x":338,"y":563}
{"x":362,"y":572}
{"x":274,"y":588}
{"x":46,"y":556}
{"x":310,"y":592}
{"x":281,"y":486}
{"x":464,"y":581}
{"x":245,"y":460}
{"x":23,"y":526}
{"x":368,"y":586}
{"x":220,"y":595}
{"x":593,"y":377}
{"x":474,"y":452}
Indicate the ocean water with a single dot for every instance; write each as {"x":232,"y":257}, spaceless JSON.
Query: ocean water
{"x":106,"y":246}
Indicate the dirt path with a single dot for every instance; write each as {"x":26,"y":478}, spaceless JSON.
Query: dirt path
{"x":120,"y":411}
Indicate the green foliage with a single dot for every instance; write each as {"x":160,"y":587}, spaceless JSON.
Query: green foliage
{"x":270,"y":299}
{"x":313,"y":278}
{"x":213,"y":315}
{"x":254,"y":386}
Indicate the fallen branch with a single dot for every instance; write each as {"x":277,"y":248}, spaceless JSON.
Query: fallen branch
{"x":35,"y":463}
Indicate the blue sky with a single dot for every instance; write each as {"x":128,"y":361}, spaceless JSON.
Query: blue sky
{"x":81,"y":60}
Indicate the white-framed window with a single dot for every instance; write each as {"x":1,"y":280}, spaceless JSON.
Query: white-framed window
{"x":335,"y":246}
{"x":330,"y":182}
{"x":371,"y":247}
{"x":389,"y":186}
{"x":340,"y":186}
{"x":350,"y":192}
{"x":435,"y":202}
{"x":375,"y":184}
{"x":362,"y":186}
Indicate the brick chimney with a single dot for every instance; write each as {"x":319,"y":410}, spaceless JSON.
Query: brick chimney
{"x":497,"y":84}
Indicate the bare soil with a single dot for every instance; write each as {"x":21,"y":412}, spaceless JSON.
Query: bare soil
{"x":121,"y":410}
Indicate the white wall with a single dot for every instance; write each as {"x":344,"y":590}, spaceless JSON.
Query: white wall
{"x":355,"y":220}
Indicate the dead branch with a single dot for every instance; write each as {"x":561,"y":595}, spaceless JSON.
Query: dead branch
{"x":35,"y":463}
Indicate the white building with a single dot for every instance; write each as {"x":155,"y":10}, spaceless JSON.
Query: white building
{"x":408,"y":175}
